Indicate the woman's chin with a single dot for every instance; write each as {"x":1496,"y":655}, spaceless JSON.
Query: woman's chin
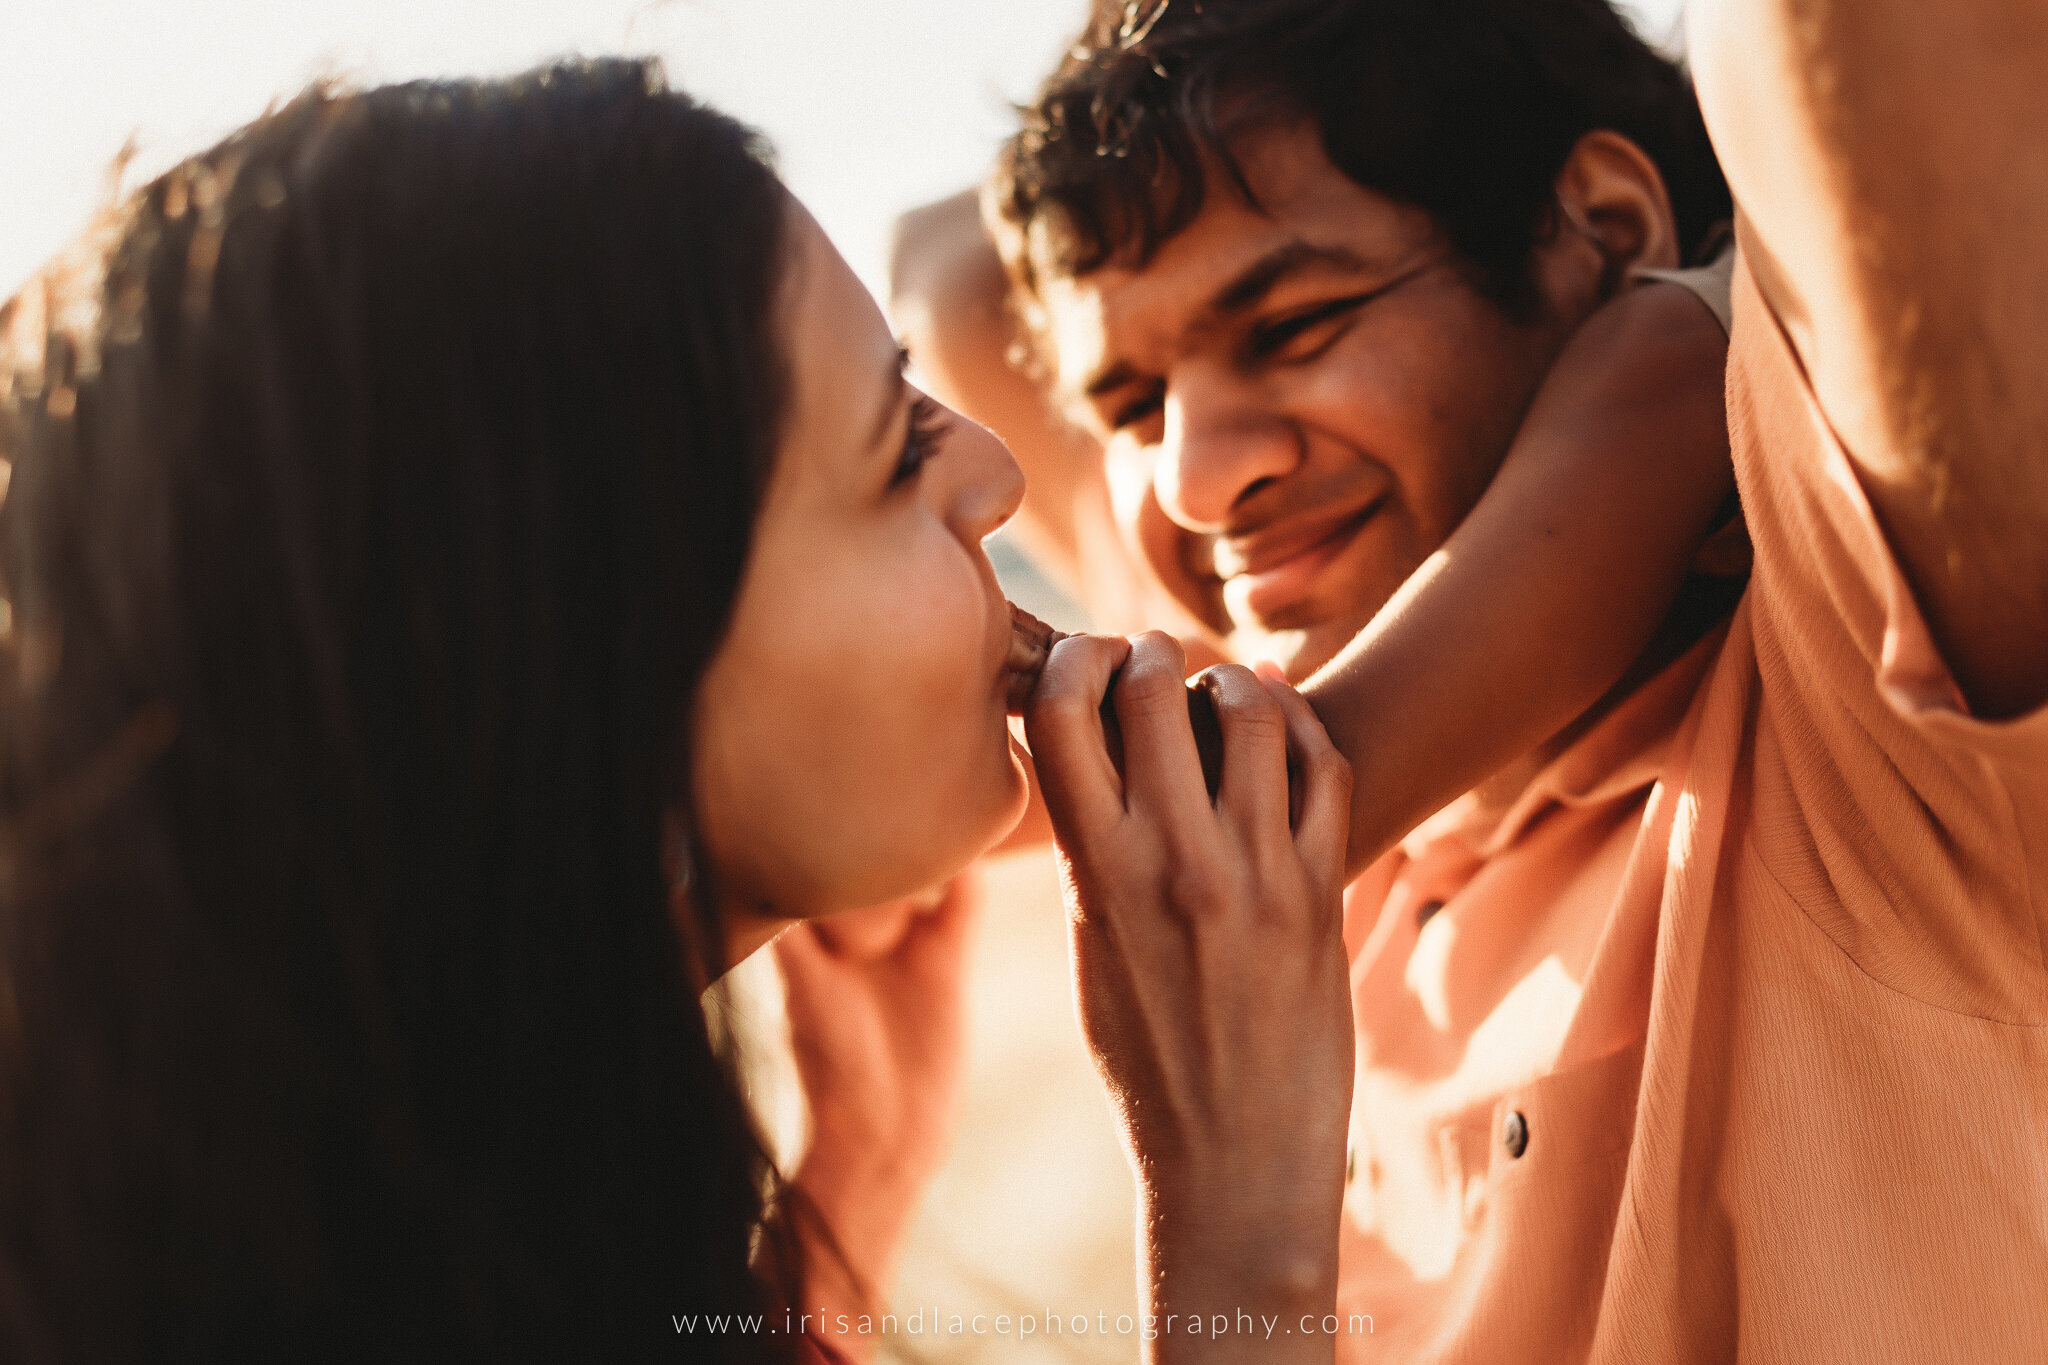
{"x":1016,"y":802}
{"x":919,"y":855}
{"x":1004,"y":801}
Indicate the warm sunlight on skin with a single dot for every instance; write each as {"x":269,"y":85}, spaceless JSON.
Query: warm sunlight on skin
{"x":852,"y":743}
{"x":1313,"y":395}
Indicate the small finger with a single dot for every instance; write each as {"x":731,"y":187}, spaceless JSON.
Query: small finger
{"x":939,"y":936}
{"x":870,"y":933}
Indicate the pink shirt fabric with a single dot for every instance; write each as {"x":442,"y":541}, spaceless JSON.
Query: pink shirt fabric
{"x":1754,"y":976}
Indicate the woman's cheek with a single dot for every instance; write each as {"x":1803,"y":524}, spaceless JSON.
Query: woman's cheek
{"x":876,"y":687}
{"x":949,"y":661}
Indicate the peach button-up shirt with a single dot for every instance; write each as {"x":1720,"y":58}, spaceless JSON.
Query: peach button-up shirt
{"x":1729,"y":1040}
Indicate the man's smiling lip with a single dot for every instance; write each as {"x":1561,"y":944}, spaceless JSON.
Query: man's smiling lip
{"x":1266,"y":573}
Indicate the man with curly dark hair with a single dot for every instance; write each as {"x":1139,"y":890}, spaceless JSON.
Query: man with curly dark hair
{"x":1713,"y":1028}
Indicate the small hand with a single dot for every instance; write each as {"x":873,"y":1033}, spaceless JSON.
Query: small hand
{"x":876,"y":1005}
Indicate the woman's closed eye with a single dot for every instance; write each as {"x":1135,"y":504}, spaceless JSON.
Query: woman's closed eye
{"x":921,"y":442}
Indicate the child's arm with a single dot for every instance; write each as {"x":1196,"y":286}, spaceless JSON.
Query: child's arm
{"x":949,"y":298}
{"x":1555,"y":582}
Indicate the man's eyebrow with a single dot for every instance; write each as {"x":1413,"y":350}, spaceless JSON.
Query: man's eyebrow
{"x":1109,"y":381}
{"x":1245,"y":290}
{"x":1256,"y":280}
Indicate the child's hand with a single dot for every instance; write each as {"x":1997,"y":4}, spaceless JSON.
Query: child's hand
{"x":877,"y":1018}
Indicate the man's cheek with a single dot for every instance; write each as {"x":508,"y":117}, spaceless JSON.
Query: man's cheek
{"x":1184,"y":564}
{"x":1127,"y":468}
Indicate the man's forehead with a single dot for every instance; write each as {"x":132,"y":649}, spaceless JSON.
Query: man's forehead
{"x":1124,"y":314}
{"x":1310,"y":216}
{"x":1076,"y":325}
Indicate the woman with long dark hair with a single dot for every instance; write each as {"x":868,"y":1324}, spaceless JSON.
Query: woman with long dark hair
{"x":474,"y":571}
{"x":391,"y":723}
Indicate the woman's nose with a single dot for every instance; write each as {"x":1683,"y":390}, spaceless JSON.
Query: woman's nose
{"x":1221,"y":442}
{"x":991,"y":487}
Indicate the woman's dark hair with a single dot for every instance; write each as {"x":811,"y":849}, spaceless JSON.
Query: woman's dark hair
{"x":379,"y":496}
{"x":1466,"y":109}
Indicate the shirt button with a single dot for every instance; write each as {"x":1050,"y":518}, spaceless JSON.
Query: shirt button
{"x":1427,"y":912}
{"x":1515,"y":1135}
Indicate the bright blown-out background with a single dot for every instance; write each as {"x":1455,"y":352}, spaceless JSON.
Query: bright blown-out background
{"x":873,"y":108}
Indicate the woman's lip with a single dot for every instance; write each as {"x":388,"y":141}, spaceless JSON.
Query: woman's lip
{"x":1278,"y":586}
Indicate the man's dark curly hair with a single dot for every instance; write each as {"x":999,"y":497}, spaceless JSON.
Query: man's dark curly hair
{"x":1467,"y":109}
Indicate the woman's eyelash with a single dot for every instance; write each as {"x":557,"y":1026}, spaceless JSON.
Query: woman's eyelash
{"x":928,"y":426}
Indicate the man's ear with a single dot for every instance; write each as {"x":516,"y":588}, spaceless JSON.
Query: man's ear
{"x":1613,"y":213}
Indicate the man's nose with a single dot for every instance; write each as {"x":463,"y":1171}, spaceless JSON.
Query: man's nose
{"x":1221,"y":443}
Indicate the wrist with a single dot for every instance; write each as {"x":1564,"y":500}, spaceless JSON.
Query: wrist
{"x":865,"y":1216}
{"x":1239,"y":1261}
{"x":1227,"y":1274}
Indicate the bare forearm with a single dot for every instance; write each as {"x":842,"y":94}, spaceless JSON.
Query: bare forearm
{"x":1891,"y":161}
{"x":1553,"y":585}
{"x":1891,"y":157}
{"x":851,"y":1235}
{"x":949,"y":300}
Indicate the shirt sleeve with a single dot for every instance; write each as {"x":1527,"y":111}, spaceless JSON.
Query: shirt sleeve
{"x":1913,"y":832}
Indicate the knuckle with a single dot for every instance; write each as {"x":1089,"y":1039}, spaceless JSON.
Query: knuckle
{"x":1332,"y":768}
{"x":1246,"y":706}
{"x":1232,"y":678}
{"x":1256,"y":726}
{"x":1072,"y":655}
{"x":1070,"y":669}
{"x":1150,"y":701}
{"x":1289,"y":903}
{"x":1267,"y":866}
{"x":1157,"y":645}
{"x":1057,"y":699}
{"x":1051,"y":720}
{"x":1150,"y":684}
